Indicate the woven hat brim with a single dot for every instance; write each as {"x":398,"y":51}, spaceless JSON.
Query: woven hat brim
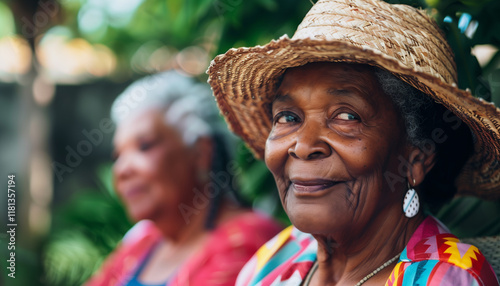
{"x":244,"y":82}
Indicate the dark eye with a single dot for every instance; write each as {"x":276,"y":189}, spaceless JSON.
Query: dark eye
{"x":146,"y":145}
{"x":347,"y":116}
{"x":286,"y":117}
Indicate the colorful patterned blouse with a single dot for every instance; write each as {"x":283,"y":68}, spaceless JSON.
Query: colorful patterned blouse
{"x":227,"y":249}
{"x":432,"y":257}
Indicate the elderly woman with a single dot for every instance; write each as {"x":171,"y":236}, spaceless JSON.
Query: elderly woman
{"x":174,"y":174}
{"x":364,"y":126}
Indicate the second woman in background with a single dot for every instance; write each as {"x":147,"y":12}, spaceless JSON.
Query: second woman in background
{"x":173,"y":173}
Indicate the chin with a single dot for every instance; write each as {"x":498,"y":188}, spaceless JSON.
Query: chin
{"x":304,"y":226}
{"x":309,"y":221}
{"x":138,"y":214}
{"x":319,"y":219}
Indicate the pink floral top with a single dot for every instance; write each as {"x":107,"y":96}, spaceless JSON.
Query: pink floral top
{"x":226,"y":251}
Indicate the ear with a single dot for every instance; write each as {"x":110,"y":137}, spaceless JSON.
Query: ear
{"x":420,"y":164}
{"x":203,"y":150}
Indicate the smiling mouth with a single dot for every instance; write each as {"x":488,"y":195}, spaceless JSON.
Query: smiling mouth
{"x":131,"y":193}
{"x":311,"y":187}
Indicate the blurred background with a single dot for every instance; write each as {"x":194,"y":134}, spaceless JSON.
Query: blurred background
{"x":63,"y":62}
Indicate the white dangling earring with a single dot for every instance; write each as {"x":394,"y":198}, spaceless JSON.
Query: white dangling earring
{"x":411,"y":203}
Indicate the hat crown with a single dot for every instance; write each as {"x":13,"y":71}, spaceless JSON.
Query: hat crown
{"x":400,"y":32}
{"x":402,"y":40}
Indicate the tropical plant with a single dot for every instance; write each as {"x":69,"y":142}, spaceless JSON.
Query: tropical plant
{"x":85,"y":230}
{"x":91,"y":224}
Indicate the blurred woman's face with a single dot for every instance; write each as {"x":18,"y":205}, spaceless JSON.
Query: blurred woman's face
{"x":335,"y":135}
{"x":154,"y":170}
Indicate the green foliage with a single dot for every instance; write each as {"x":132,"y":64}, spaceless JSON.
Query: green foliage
{"x":6,"y":21}
{"x":27,"y":265}
{"x":220,"y":24}
{"x":84,"y":232}
{"x":90,"y":225}
{"x":484,"y":82}
{"x":257,"y":185}
{"x":257,"y":22}
{"x":223,"y":24}
{"x":471,"y":217}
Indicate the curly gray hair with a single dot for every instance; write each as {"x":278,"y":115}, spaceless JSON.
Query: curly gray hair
{"x":186,"y":104}
{"x":421,"y":116}
{"x":410,"y":102}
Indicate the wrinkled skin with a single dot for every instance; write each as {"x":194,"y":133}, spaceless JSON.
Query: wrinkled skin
{"x":335,"y":135}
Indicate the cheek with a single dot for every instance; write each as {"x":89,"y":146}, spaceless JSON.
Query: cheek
{"x":276,"y":153}
{"x":368,"y":161}
{"x":160,"y":173}
{"x":269,"y":154}
{"x":168,"y":163}
{"x":139,"y":165}
{"x":177,"y":170}
{"x":362,"y":156}
{"x":152,"y":167}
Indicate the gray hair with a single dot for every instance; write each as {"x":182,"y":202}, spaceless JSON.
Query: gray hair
{"x":410,"y":102}
{"x":186,"y":104}
{"x":422,"y":115}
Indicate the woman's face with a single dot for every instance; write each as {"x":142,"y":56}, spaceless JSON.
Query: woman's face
{"x":335,"y":135}
{"x":154,"y":169}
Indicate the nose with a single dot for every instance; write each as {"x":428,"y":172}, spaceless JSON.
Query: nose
{"x":309,"y":144}
{"x":123,"y":167}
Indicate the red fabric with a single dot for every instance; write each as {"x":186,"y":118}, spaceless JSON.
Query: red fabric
{"x":228,"y":248}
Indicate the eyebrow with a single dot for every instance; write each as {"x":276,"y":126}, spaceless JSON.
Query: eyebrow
{"x":282,"y":98}
{"x":351,"y":92}
{"x":279,"y":97}
{"x":339,"y":92}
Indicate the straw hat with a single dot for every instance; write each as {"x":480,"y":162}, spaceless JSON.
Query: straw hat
{"x":398,"y":38}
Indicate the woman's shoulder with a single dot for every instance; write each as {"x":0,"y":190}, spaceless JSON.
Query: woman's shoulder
{"x":286,"y":258}
{"x":434,"y":254}
{"x":128,"y":254}
{"x":137,"y":240}
{"x":436,"y":272}
{"x":228,"y":248}
{"x":249,"y":227}
{"x":253,"y":219}
{"x":140,"y":231}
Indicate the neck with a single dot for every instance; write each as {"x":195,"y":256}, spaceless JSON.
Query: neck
{"x":183,"y":228}
{"x":346,"y":259}
{"x":187,"y":232}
